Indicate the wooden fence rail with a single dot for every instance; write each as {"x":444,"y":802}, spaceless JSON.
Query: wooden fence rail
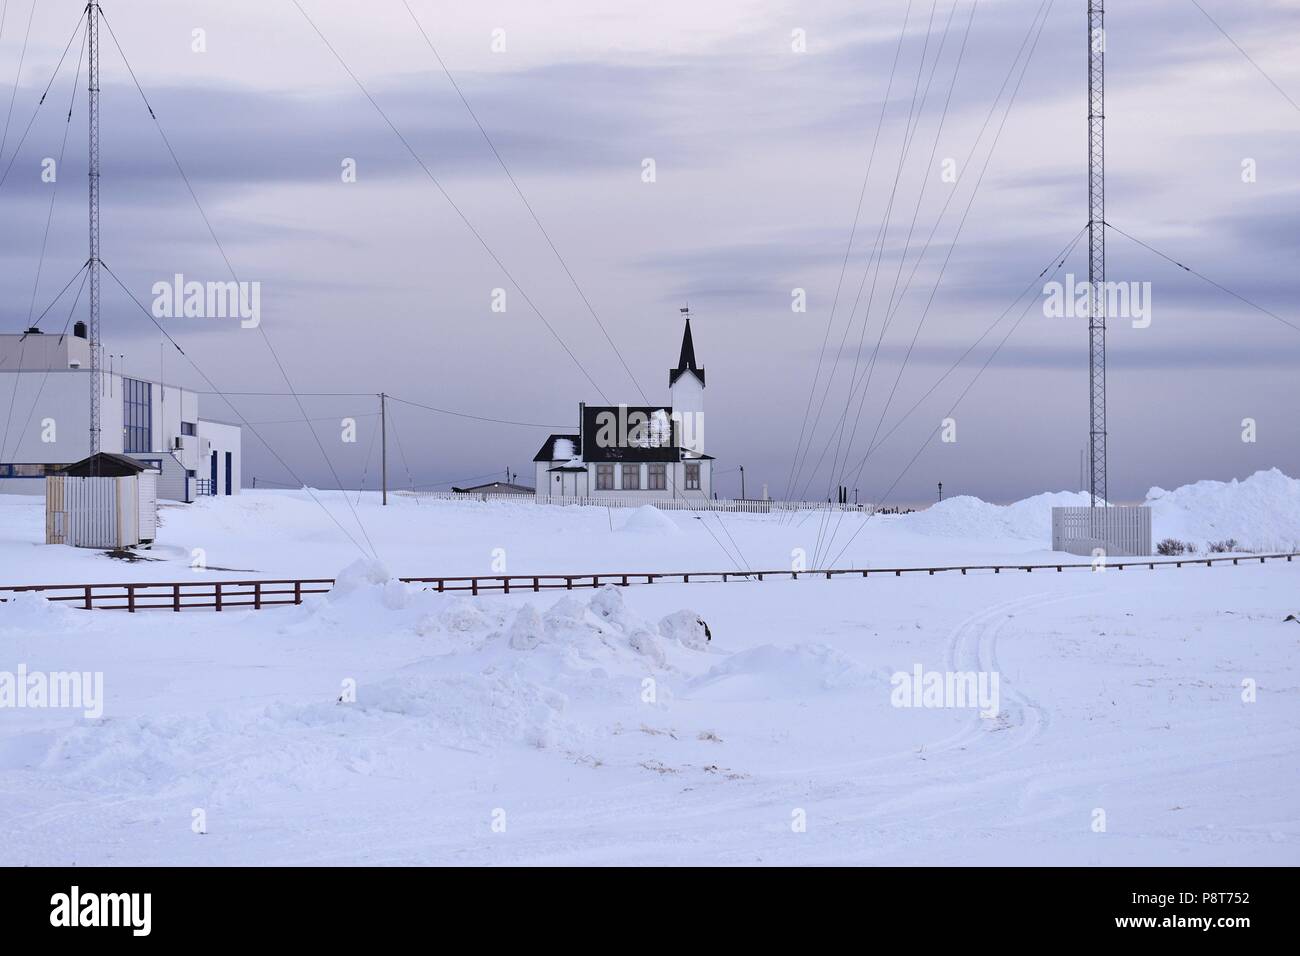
{"x":257,"y":594}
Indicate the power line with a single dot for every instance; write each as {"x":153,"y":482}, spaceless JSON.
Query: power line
{"x":1204,"y":278}
{"x":879,"y":252}
{"x":402,"y":453}
{"x":58,"y":168}
{"x":1058,"y":260}
{"x":220,"y":248}
{"x":524,"y":199}
{"x":243,"y":421}
{"x":41,"y":101}
{"x":22,"y":56}
{"x":893,"y":309}
{"x":1046,"y":10}
{"x":45,"y":377}
{"x":447,"y":196}
{"x":404,"y":401}
{"x":477,"y":418}
{"x":792,"y":480}
{"x":969,"y":385}
{"x":1248,"y":57}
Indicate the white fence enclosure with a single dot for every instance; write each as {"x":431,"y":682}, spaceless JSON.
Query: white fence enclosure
{"x":1119,"y":530}
{"x":696,"y":502}
{"x":101,"y":512}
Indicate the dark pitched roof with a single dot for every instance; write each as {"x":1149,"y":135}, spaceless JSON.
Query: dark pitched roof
{"x":104,"y":465}
{"x":547,"y":452}
{"x":686,"y":362}
{"x":624,"y":433}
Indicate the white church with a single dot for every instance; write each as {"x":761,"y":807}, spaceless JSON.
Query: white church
{"x":642,"y":451}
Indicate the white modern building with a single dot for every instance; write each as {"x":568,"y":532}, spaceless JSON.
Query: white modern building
{"x":45,"y":402}
{"x":646,"y":451}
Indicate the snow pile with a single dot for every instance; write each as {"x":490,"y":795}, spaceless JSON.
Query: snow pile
{"x":969,"y":517}
{"x":369,"y":580}
{"x":650,"y":520}
{"x":1261,"y":512}
{"x":770,"y":672}
{"x":686,"y":628}
{"x":26,"y":612}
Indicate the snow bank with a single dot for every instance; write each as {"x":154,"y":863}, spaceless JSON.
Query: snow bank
{"x":969,"y":517}
{"x":26,"y":613}
{"x":650,"y":520}
{"x":1261,"y":512}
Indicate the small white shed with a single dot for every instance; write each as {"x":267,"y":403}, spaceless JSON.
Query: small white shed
{"x":104,"y":501}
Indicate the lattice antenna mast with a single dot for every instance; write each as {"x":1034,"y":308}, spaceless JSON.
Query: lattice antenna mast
{"x":92,"y":44}
{"x":1097,"y":251}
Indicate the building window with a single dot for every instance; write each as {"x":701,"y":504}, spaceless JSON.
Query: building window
{"x":658,"y":477}
{"x":631,"y":477}
{"x":604,"y":477}
{"x":137,"y":416}
{"x":28,"y":471}
{"x":189,"y":428}
{"x":692,"y":476}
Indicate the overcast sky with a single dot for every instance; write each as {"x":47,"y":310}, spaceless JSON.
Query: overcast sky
{"x":760,"y":152}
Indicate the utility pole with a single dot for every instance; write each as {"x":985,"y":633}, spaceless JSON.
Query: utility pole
{"x":941,"y":491}
{"x":96,"y":374}
{"x":742,"y":482}
{"x":383,"y":443}
{"x":1097,"y":251}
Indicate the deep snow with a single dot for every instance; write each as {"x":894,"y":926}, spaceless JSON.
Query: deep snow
{"x":382,"y":723}
{"x":286,"y":534}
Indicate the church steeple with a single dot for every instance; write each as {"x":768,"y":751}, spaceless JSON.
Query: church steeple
{"x":686,"y":363}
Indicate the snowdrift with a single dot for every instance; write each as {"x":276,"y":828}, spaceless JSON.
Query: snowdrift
{"x":969,"y":517}
{"x":1261,"y":512}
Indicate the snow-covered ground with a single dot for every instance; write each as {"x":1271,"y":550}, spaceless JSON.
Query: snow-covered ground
{"x":288,"y":534}
{"x":1140,"y":717}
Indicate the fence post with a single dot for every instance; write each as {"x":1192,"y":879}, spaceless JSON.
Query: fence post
{"x":218,"y":595}
{"x":176,"y":597}
{"x":257,"y":595}
{"x":297,"y":592}
{"x":537,"y":584}
{"x":505,"y":584}
{"x":89,"y":602}
{"x":130,"y":598}
{"x":473,"y":586}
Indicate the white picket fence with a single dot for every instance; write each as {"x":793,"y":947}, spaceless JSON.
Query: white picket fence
{"x":665,"y":503}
